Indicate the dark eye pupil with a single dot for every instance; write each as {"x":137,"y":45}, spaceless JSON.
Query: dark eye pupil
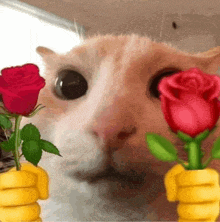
{"x":70,"y":85}
{"x":154,"y":82}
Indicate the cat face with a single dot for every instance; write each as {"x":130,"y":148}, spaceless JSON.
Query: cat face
{"x":101,"y":98}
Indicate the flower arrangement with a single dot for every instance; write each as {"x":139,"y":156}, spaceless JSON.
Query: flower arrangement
{"x":191,"y":108}
{"x":20,"y":87}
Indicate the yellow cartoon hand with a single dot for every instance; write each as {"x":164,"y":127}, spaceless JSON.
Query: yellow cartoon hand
{"x":170,"y":182}
{"x":198,"y":192}
{"x":19,"y":191}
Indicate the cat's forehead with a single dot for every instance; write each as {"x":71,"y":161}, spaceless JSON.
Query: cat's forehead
{"x":109,"y":45}
{"x":120,"y":46}
{"x":121,"y":53}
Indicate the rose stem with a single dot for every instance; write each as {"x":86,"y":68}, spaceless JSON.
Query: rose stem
{"x":194,"y":156}
{"x":17,"y":137}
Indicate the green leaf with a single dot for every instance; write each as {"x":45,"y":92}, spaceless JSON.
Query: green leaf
{"x":10,"y":117}
{"x":6,"y":146}
{"x":48,"y":147}
{"x":5,"y":122}
{"x":215,"y":153}
{"x":202,"y":135}
{"x":161,"y":148}
{"x":30,"y":132}
{"x":10,"y":144}
{"x":183,"y":136}
{"x":32,"y":151}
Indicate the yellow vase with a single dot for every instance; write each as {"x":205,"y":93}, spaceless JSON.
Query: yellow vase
{"x":197,"y":191}
{"x":19,"y":191}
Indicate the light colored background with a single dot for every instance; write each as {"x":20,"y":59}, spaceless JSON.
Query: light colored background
{"x":198,"y":20}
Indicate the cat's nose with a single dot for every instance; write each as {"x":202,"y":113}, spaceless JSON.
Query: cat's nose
{"x":115,"y":134}
{"x":107,"y":134}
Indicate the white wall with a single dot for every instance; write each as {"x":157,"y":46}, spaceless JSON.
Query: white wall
{"x":21,"y":33}
{"x":198,"y":20}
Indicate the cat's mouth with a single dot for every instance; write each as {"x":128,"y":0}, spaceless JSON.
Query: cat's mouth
{"x":110,"y":174}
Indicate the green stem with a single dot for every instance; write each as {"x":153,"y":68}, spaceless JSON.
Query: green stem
{"x":194,"y":156}
{"x":17,"y":137}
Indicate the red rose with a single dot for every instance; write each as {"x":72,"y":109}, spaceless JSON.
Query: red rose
{"x":189,"y":101}
{"x":20,"y":87}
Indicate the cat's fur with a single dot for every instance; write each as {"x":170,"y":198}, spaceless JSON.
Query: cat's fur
{"x":107,"y":126}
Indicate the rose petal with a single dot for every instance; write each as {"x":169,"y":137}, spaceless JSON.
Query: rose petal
{"x":197,"y":107}
{"x":4,"y":88}
{"x":166,"y":90}
{"x":20,"y":88}
{"x":173,"y":82}
{"x":215,"y":91}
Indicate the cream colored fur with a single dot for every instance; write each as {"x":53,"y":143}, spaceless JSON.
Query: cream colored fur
{"x":87,"y":131}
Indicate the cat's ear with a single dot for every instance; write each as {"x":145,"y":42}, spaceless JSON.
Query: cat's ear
{"x":210,"y":60}
{"x":43,"y":51}
{"x":211,"y":52}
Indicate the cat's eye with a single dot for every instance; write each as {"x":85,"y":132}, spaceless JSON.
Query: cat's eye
{"x":154,"y":81}
{"x":70,"y":85}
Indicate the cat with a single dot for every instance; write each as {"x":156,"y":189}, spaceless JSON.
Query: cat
{"x":101,"y":98}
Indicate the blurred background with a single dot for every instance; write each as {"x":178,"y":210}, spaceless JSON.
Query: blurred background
{"x":192,"y":26}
